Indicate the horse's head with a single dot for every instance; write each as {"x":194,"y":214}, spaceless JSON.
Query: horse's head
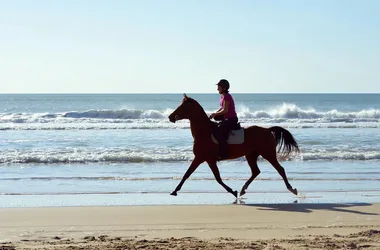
{"x":188,"y":109}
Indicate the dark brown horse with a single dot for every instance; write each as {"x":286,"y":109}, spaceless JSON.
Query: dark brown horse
{"x":257,"y":141}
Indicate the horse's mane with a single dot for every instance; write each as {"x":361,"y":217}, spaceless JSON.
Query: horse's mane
{"x":192,"y":100}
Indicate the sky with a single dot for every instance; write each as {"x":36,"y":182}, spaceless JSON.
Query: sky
{"x":186,"y":46}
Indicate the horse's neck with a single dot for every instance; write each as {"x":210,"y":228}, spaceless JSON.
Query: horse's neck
{"x":200,"y":127}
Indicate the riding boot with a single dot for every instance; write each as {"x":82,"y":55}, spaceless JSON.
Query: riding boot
{"x":223,"y":149}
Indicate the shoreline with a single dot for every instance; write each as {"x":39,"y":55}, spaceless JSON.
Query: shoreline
{"x":185,"y":198}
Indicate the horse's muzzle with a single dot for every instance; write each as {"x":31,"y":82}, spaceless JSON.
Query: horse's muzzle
{"x":173,"y":118}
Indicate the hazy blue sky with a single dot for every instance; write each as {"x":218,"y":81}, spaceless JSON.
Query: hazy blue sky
{"x":188,"y":45}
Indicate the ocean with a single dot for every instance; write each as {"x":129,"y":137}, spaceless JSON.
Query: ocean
{"x":121,"y":149}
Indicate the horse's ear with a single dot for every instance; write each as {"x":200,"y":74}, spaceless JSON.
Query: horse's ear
{"x":185,"y":96}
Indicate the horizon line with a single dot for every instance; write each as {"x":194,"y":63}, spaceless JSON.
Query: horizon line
{"x":179,"y":93}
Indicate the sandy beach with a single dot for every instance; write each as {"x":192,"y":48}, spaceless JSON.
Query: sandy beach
{"x":256,"y":226}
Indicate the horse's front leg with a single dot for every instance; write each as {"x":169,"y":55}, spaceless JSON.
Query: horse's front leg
{"x":215,"y":171}
{"x":196,"y":162}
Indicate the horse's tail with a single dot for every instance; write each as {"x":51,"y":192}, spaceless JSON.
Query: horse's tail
{"x":285,"y":141}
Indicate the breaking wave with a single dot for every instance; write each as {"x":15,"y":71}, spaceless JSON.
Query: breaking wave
{"x":164,"y":154}
{"x":288,"y":115}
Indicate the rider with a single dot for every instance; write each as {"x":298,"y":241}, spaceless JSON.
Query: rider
{"x":229,"y":117}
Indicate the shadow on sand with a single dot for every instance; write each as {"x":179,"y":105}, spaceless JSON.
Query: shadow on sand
{"x":310,"y":207}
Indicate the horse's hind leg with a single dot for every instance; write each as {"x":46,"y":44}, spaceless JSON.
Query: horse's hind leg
{"x":215,"y":171}
{"x":252,"y":162}
{"x":271,"y":157}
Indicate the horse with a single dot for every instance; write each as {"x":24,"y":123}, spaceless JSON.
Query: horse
{"x":258,"y":141}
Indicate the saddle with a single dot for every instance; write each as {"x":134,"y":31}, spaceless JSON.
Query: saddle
{"x":236,"y":135}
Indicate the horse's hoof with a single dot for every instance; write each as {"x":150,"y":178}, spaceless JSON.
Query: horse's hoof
{"x":293,"y":190}
{"x":242,"y":192}
{"x":235,"y":193}
{"x":174,"y":193}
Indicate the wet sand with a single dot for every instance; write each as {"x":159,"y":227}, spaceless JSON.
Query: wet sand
{"x":248,"y":226}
